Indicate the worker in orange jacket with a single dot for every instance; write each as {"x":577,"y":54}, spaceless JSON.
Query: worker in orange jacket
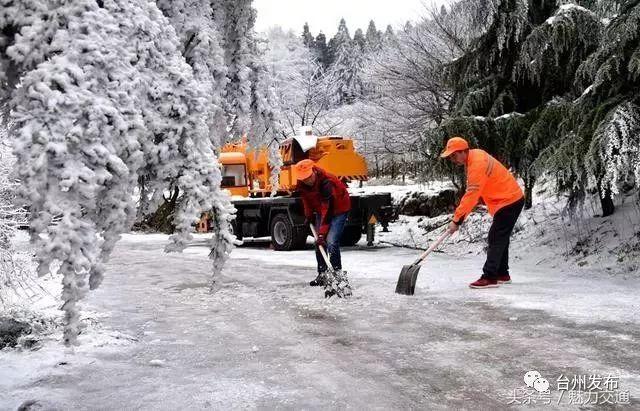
{"x":488,"y":179}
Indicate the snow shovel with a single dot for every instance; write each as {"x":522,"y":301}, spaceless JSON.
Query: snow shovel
{"x":409,"y":274}
{"x":335,"y":282}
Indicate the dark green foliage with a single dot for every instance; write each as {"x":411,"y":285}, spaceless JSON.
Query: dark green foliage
{"x":321,"y":50}
{"x":519,"y":76}
{"x":307,"y":37}
{"x":596,"y":150}
{"x":553,"y":51}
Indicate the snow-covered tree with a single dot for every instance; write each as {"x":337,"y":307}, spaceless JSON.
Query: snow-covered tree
{"x":373,"y":37}
{"x":342,"y":39}
{"x":524,"y":60}
{"x":307,"y":37}
{"x":15,"y":275}
{"x":201,"y":46}
{"x":595,"y":144}
{"x":347,"y":65}
{"x":616,"y":145}
{"x":105,"y":98}
{"x":251,"y":105}
{"x":359,"y":40}
{"x":303,"y":89}
{"x":388,"y":33}
{"x":322,"y":50}
{"x":236,"y":20}
{"x":406,"y":88}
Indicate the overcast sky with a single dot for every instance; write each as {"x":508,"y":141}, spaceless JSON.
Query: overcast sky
{"x":325,"y":15}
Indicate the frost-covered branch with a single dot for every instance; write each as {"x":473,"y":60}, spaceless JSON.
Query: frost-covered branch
{"x":106,"y":100}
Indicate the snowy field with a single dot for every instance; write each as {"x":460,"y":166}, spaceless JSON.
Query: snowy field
{"x":156,"y":339}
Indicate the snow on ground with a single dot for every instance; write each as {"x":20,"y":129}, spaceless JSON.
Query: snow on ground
{"x":156,"y":339}
{"x":581,"y":237}
{"x":266,"y":339}
{"x":399,"y":191}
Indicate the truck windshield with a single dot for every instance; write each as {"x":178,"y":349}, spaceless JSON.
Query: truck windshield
{"x":233,"y":175}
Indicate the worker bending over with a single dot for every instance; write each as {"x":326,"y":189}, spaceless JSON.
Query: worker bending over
{"x":488,"y":179}
{"x":324,"y":195}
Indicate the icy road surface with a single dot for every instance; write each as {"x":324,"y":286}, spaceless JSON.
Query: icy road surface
{"x":158,"y":340}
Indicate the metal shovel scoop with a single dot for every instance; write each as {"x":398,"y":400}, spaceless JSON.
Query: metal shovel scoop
{"x":409,"y":273}
{"x":335,"y":282}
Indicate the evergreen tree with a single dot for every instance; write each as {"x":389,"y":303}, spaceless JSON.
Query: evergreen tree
{"x":247,"y":94}
{"x":359,"y":40}
{"x":339,"y":42}
{"x":347,"y":58}
{"x":303,"y":88}
{"x":596,"y":146}
{"x":389,"y":35}
{"x":115,"y":101}
{"x":307,"y":37}
{"x":236,"y":20}
{"x":527,"y":57}
{"x":201,"y":46}
{"x":373,"y":37}
{"x":321,"y":50}
{"x":263,"y":101}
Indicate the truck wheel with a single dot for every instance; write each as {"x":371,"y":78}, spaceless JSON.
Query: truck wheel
{"x":350,"y":236}
{"x":284,"y":236}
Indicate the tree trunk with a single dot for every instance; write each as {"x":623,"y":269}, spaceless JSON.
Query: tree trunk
{"x":606,"y":201}
{"x":529,"y":182}
{"x":162,"y":219}
{"x":393,"y":169}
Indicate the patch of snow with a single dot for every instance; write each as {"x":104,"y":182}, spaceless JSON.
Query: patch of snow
{"x":565,"y":8}
{"x":573,"y":6}
{"x":157,"y":363}
{"x":587,"y":91}
{"x":509,"y":115}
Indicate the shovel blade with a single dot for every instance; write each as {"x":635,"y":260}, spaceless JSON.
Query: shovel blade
{"x":337,"y":283}
{"x":407,"y":279}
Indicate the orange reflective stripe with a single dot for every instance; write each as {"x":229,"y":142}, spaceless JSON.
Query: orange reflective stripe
{"x":490,"y":162}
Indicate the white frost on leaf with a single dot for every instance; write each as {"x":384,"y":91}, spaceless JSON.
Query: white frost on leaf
{"x":619,"y":146}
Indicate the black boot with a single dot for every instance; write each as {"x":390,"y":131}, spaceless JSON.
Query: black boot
{"x":319,"y":281}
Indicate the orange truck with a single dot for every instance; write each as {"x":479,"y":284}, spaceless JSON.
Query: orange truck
{"x":247,"y":176}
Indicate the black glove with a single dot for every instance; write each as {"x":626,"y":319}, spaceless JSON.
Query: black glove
{"x":307,"y":221}
{"x":321,"y":241}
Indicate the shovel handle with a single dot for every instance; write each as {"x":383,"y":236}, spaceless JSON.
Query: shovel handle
{"x":322,"y":250}
{"x":435,"y":245}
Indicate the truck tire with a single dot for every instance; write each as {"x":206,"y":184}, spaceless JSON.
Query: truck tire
{"x":284,"y":235}
{"x":350,"y":236}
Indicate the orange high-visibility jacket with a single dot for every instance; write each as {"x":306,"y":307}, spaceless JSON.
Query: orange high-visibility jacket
{"x":489,"y":179}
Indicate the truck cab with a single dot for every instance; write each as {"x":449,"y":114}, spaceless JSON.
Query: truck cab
{"x":234,"y":173}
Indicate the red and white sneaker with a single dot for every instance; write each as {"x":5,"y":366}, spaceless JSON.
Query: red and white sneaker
{"x":504,"y":279}
{"x":485,"y":283}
